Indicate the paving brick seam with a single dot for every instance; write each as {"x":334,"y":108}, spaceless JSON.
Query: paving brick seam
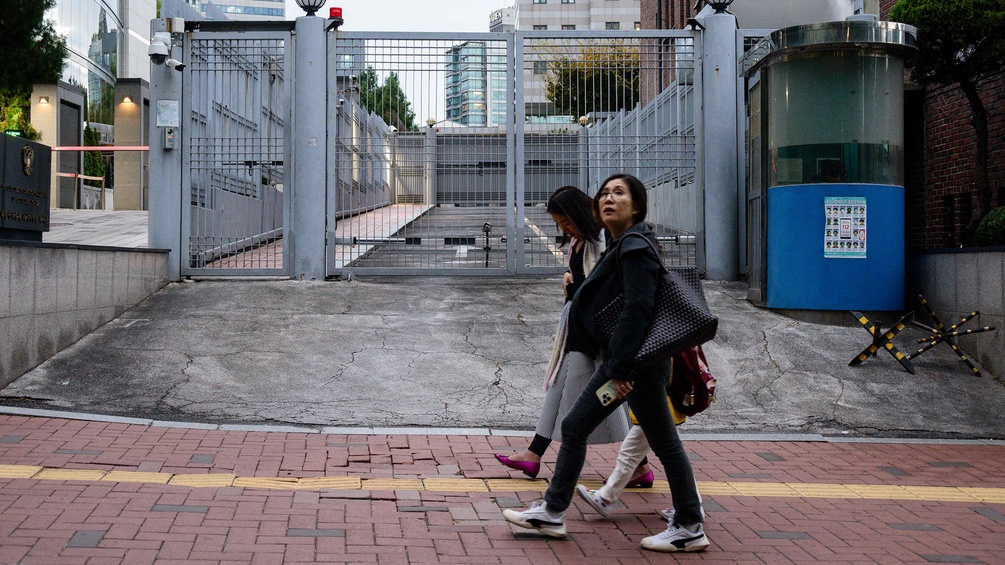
{"x":460,"y":485}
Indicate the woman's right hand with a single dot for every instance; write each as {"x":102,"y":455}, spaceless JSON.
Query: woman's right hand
{"x":566,"y":281}
{"x":621,"y":388}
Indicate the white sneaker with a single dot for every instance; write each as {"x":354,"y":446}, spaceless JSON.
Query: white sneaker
{"x":537,"y":517}
{"x":676,"y":538}
{"x":594,"y":499}
{"x":669,"y":512}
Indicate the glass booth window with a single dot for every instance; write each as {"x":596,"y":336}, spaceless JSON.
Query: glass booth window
{"x":836,"y":118}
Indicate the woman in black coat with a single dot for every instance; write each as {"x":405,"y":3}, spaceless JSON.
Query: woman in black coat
{"x":630,"y":266}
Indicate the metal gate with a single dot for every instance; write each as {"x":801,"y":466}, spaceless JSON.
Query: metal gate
{"x":234,"y":139}
{"x":444,"y":148}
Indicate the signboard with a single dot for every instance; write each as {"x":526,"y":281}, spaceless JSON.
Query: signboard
{"x":24,"y":189}
{"x":845,"y":227}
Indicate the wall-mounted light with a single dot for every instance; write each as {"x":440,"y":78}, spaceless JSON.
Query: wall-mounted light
{"x":127,"y":100}
{"x":430,"y":122}
{"x":43,"y":99}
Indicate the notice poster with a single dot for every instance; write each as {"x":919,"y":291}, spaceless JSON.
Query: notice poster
{"x":844,"y":227}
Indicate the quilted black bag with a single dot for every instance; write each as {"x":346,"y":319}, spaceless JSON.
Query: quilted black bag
{"x":681,"y":320}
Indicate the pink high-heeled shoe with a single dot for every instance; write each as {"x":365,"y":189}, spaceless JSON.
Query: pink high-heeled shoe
{"x":642,"y":481}
{"x":528,"y":468}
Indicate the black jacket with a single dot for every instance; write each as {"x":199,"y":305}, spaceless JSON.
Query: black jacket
{"x":638,"y":278}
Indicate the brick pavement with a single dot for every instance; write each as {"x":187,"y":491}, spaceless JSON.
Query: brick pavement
{"x":76,"y":491}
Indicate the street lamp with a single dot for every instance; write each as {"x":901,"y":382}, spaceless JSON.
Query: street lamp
{"x":720,"y":5}
{"x":430,"y":122}
{"x":310,"y":6}
{"x":583,"y":120}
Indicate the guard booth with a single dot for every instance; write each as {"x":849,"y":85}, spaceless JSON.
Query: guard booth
{"x":826,"y":147}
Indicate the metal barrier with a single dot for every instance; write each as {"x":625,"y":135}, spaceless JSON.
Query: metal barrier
{"x":442,"y":148}
{"x":235,"y":138}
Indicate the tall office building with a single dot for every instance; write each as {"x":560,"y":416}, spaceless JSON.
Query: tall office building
{"x":476,"y":84}
{"x":567,"y":15}
{"x":245,"y":10}
{"x":577,"y":14}
{"x":107,"y":43}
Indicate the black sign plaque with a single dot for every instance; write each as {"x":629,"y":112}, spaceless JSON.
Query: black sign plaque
{"x":24,"y":189}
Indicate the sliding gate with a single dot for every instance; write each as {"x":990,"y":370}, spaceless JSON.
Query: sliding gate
{"x":443,"y":149}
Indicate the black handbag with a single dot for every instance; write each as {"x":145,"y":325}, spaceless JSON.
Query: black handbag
{"x":681,"y":318}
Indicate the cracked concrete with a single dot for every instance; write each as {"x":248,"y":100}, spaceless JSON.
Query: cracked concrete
{"x":472,"y":353}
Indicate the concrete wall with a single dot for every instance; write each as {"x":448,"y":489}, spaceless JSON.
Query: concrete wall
{"x":956,"y":282}
{"x":51,"y":295}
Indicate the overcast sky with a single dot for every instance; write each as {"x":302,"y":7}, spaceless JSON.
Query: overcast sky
{"x":409,"y":15}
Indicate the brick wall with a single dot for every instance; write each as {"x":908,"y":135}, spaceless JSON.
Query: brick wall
{"x":674,"y":13}
{"x":941,"y":168}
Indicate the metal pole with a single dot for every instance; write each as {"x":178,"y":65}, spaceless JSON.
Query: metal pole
{"x":164,"y":224}
{"x":718,"y":70}
{"x":310,"y":142}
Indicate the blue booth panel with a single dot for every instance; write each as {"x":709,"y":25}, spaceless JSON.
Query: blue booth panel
{"x":836,"y":247}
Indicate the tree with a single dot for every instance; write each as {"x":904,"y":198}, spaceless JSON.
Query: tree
{"x":32,"y":53}
{"x":601,"y":77}
{"x":960,"y":42}
{"x":94,"y":163}
{"x":387,"y":100}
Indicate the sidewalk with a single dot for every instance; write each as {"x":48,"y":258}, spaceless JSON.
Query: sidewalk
{"x":91,"y":492}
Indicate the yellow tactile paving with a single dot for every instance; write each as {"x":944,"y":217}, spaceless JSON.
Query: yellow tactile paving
{"x":392,"y":484}
{"x":763,"y":489}
{"x":341,"y":483}
{"x":69,"y":475}
{"x":993,"y":495}
{"x":947,"y":494}
{"x":451,"y":484}
{"x":137,"y":477}
{"x":266,"y":482}
{"x":213,"y":480}
{"x":822,"y":490}
{"x":880,"y":491}
{"x":455,"y":485}
{"x":18,"y":471}
{"x":517,"y":485}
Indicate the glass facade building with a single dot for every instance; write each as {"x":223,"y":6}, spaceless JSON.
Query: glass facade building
{"x":91,"y":28}
{"x":476,"y":84}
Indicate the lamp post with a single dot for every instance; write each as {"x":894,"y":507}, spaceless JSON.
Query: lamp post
{"x":310,"y":6}
{"x":718,"y":5}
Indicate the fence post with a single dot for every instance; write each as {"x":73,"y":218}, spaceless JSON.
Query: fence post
{"x":164,"y":224}
{"x":719,"y":146}
{"x":308,"y":201}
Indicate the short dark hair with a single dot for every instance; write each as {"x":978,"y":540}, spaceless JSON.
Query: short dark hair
{"x":639,"y":198}
{"x":574,"y":204}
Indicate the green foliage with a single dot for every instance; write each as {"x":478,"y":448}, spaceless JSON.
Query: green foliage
{"x":94,"y":163}
{"x":992,"y":228}
{"x":386,"y":100}
{"x":600,"y":77}
{"x":14,"y":115}
{"x":960,"y":42}
{"x":32,"y":51}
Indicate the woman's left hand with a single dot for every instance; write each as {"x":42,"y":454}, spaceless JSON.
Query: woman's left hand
{"x":621,"y":388}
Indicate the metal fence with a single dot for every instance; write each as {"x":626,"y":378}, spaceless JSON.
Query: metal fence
{"x":234,"y":139}
{"x":442,"y":148}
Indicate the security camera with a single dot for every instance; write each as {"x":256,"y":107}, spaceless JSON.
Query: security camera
{"x":160,"y":47}
{"x":175,"y":64}
{"x":341,"y":101}
{"x":392,"y":129}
